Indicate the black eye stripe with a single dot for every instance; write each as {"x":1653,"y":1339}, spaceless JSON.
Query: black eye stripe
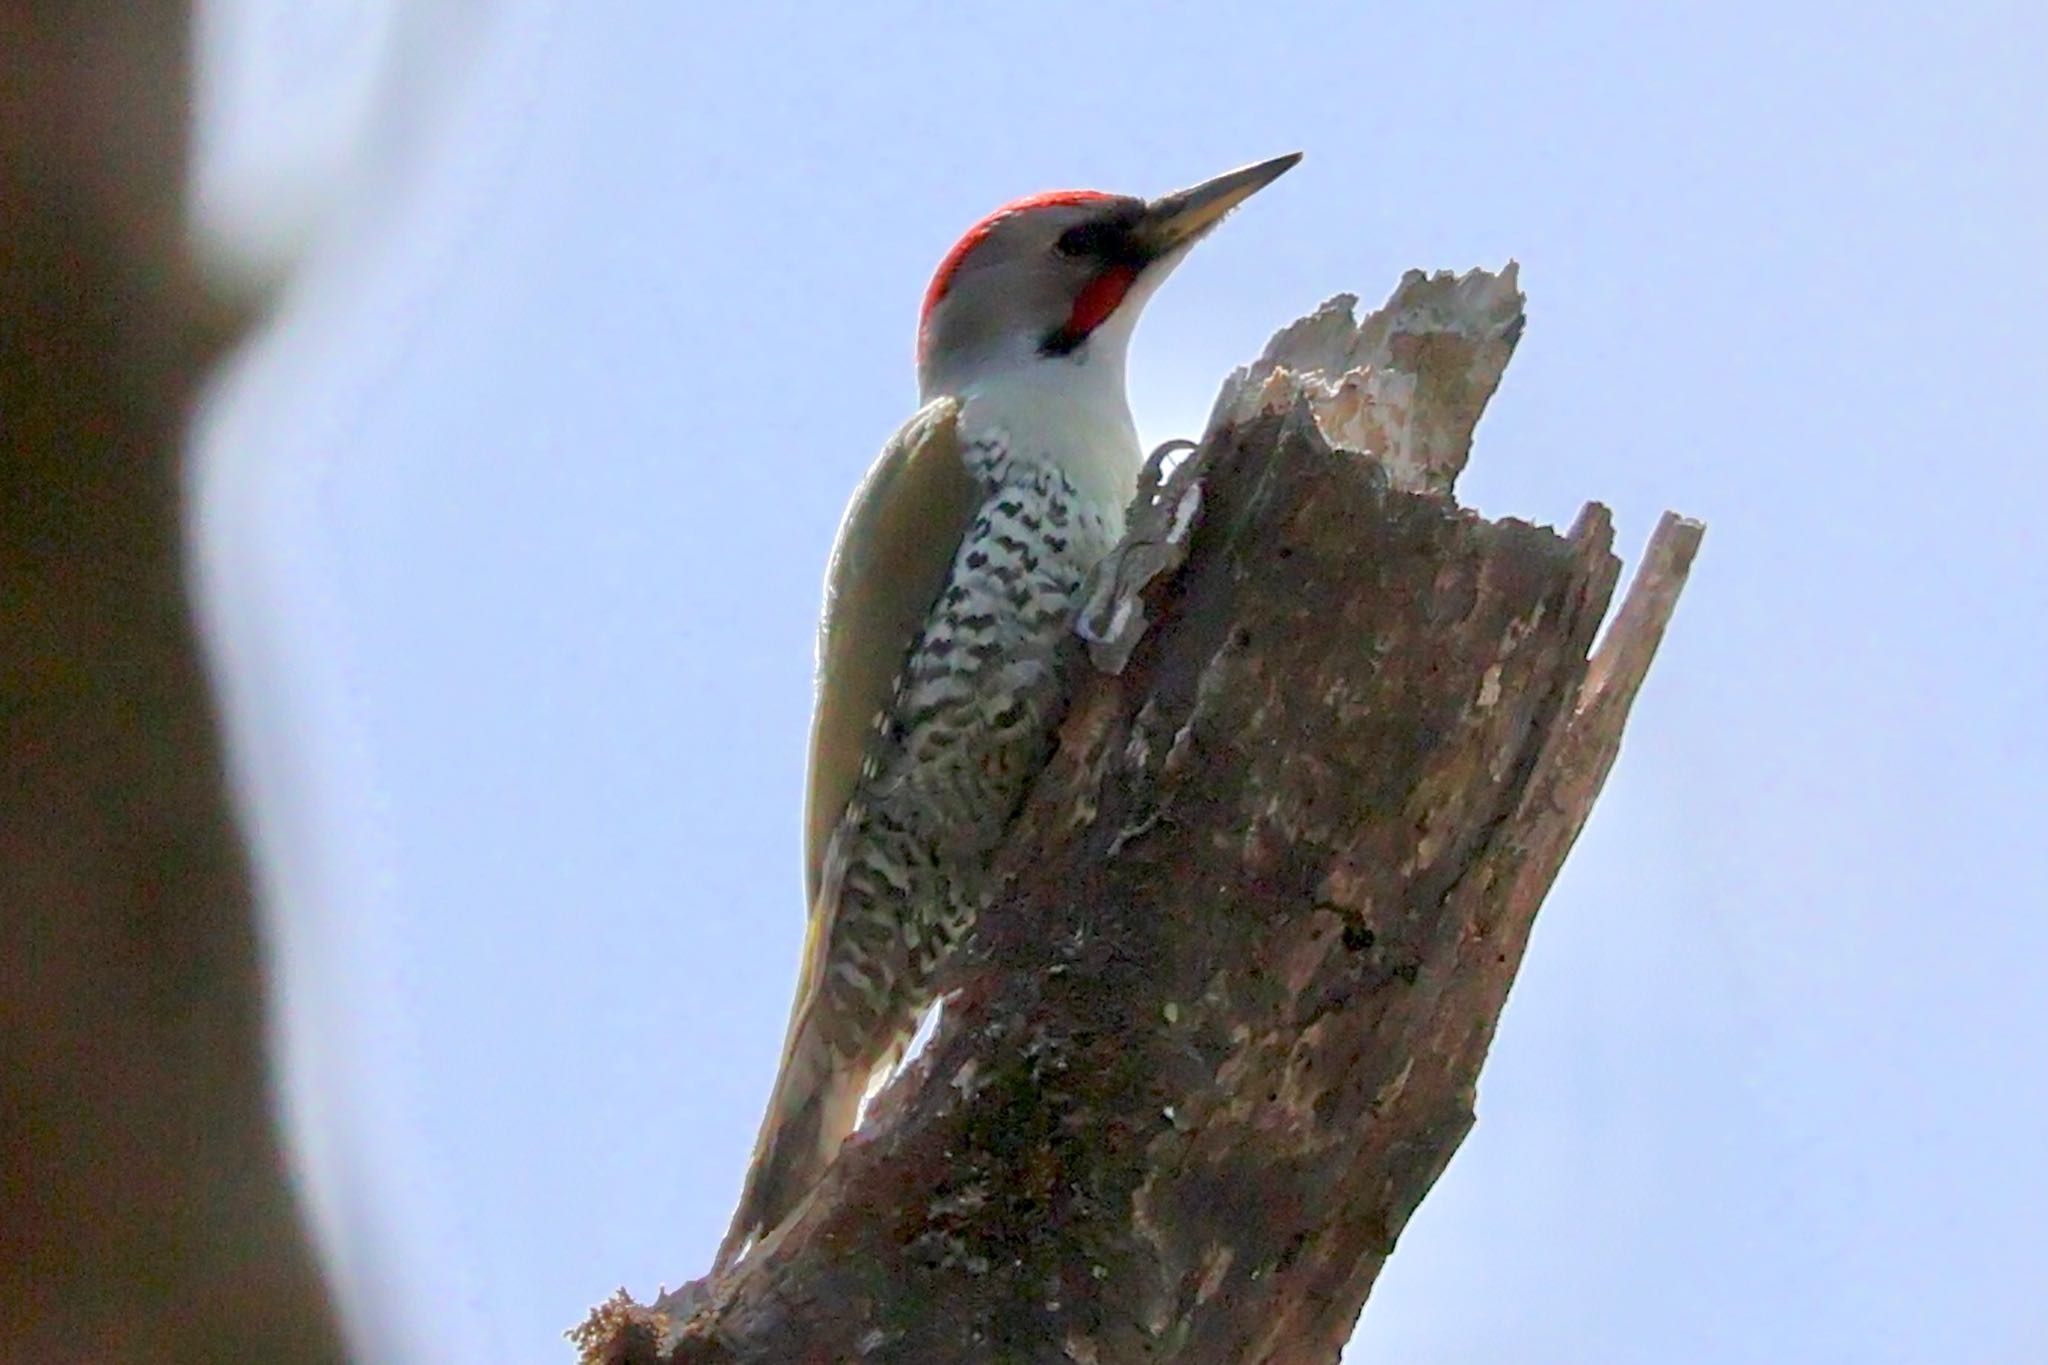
{"x":1108,"y":240}
{"x":1086,"y":239}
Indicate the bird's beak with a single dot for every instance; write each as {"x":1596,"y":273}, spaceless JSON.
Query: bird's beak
{"x":1176,"y":220}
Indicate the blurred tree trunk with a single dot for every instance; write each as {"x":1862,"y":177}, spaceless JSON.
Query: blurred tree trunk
{"x":145,"y":1211}
{"x":1223,"y":1027}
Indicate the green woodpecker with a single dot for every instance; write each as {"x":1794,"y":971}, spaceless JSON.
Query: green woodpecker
{"x":951,"y":585}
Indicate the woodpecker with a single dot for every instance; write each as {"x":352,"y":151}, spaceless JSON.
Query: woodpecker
{"x":951,"y":584}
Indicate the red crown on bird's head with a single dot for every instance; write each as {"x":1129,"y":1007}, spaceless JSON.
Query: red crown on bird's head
{"x":942,"y":278}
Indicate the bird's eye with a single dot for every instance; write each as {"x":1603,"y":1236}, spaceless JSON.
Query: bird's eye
{"x":1084,"y":240}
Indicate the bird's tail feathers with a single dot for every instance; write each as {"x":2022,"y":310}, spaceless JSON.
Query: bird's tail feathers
{"x":816,"y":1099}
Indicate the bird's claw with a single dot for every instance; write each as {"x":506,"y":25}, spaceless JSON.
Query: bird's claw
{"x":1155,"y":543}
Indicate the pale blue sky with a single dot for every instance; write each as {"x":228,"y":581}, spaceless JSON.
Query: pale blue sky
{"x":516,"y":523}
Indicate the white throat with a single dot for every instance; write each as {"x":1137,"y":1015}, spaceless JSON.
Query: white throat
{"x":1069,"y":412}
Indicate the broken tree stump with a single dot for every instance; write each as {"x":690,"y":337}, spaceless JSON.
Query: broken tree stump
{"x":1221,"y":1030}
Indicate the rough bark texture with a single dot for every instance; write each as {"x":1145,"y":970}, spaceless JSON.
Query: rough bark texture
{"x":1222,"y":1031}
{"x":144,"y":1209}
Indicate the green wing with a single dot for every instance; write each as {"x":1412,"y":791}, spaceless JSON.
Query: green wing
{"x":889,"y":565}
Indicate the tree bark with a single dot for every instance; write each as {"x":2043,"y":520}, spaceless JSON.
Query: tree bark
{"x":145,"y":1212}
{"x":1221,"y":1031}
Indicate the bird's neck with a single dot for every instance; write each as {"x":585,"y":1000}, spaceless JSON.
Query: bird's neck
{"x":1071,"y":416}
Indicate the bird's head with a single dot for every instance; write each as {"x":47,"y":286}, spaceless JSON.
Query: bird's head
{"x":1059,"y":278}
